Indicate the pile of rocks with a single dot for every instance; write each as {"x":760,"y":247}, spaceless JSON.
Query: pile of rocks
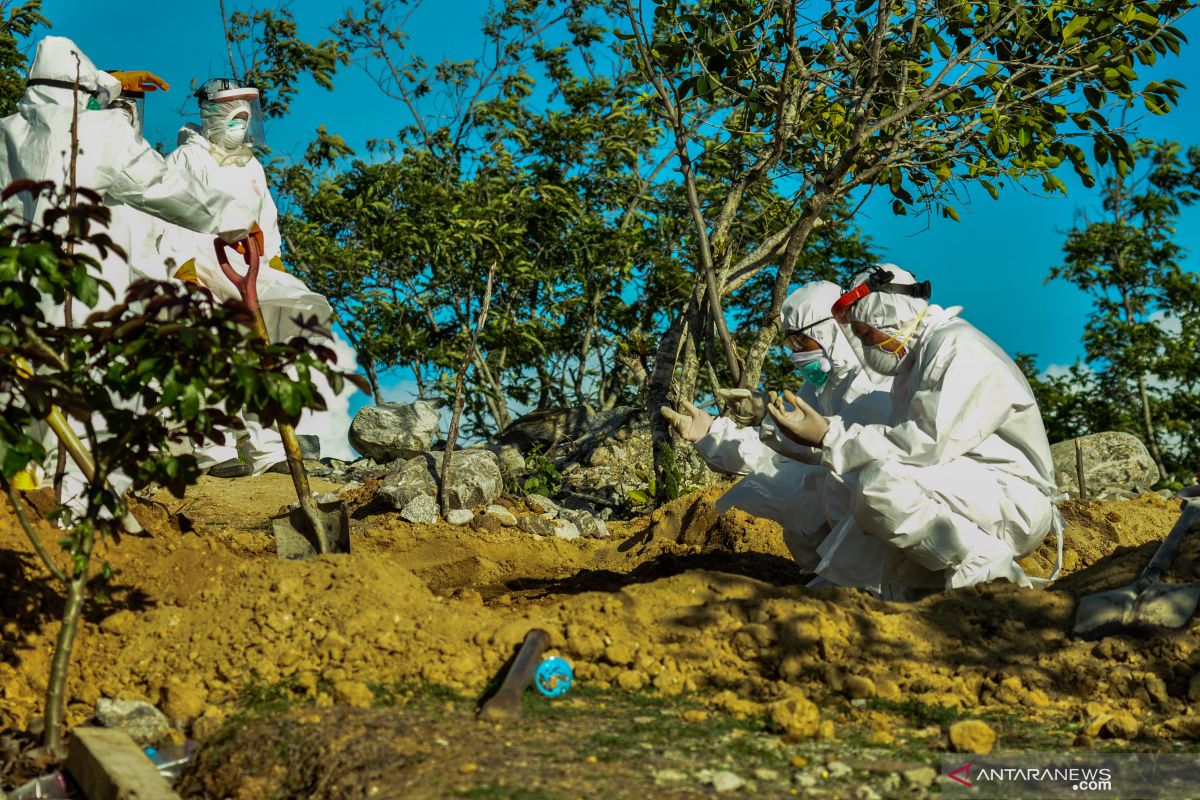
{"x":602,"y":462}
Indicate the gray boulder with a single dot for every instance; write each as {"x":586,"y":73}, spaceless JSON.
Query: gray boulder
{"x":460,"y":516}
{"x":390,"y":431}
{"x":586,"y":522}
{"x":144,"y":723}
{"x":1114,"y":464}
{"x":474,"y":480}
{"x":538,"y":526}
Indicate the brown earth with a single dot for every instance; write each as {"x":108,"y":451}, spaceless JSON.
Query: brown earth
{"x":680,"y":602}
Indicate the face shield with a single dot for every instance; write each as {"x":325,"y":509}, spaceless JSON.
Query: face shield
{"x":880,"y":316}
{"x":231,"y":115}
{"x":134,"y":106}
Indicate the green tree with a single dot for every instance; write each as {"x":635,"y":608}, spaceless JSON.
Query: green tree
{"x":1140,"y":337}
{"x":923,"y":100}
{"x":17,"y":21}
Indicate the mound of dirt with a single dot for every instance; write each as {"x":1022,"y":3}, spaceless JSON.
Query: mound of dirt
{"x":681,"y":602}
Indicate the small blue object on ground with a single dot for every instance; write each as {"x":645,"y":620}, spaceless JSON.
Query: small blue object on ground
{"x":554,"y":677}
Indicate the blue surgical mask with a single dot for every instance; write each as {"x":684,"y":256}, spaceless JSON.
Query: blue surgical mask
{"x":812,"y":373}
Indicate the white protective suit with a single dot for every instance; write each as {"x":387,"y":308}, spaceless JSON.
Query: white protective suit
{"x":785,"y":481}
{"x":35,"y":143}
{"x":283,"y":298}
{"x":959,"y":482}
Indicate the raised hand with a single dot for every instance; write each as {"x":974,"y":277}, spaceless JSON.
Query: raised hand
{"x":803,"y":424}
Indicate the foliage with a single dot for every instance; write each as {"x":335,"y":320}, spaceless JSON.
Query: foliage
{"x":533,"y":156}
{"x":17,"y":20}
{"x":1140,"y":340}
{"x":272,"y":57}
{"x":541,"y":474}
{"x":162,"y":366}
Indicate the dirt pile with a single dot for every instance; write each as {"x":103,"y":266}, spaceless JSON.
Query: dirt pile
{"x":681,"y":602}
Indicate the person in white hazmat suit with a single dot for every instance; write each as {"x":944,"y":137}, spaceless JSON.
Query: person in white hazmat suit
{"x":220,"y":153}
{"x":959,"y":482}
{"x":785,"y":481}
{"x":35,"y":143}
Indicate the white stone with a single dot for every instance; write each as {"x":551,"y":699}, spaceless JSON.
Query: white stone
{"x":459,"y":516}
{"x":502,"y":514}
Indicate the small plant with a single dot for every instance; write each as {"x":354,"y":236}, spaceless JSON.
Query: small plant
{"x":541,"y":474}
{"x":164,"y":365}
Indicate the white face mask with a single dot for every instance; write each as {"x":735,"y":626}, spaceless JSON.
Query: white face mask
{"x":882,"y":361}
{"x":234,"y":134}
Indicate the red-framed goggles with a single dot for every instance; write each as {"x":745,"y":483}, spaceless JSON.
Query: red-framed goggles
{"x":880,"y":280}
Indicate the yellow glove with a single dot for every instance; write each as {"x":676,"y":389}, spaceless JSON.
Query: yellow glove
{"x":139,"y":80}
{"x":187,"y":273}
{"x":25,"y":480}
{"x":255,"y":232}
{"x":277,"y":263}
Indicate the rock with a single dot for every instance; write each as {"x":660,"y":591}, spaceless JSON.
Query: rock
{"x":1123,"y":725}
{"x":310,"y":447}
{"x":666,"y":776}
{"x":509,"y":457}
{"x":460,"y":516}
{"x":797,"y":716}
{"x":544,"y":428}
{"x":548,"y":506}
{"x":474,"y":480}
{"x":565,"y":530}
{"x":972,"y":736}
{"x":183,"y":701}
{"x":765,"y":774}
{"x":1193,"y":690}
{"x":857,"y":686}
{"x":617,"y":458}
{"x":422,"y":509}
{"x":142,"y":721}
{"x":920,"y":776}
{"x":390,"y":431}
{"x":486,"y":522}
{"x":353,"y":693}
{"x":1112,"y":462}
{"x":587,"y":524}
{"x":838,"y":769}
{"x":502,"y":515}
{"x":539,"y":526}
{"x":725,"y":781}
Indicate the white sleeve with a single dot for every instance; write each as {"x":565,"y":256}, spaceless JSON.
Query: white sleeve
{"x":268,"y":219}
{"x":730,"y":449}
{"x":141,"y":178}
{"x":959,"y":402}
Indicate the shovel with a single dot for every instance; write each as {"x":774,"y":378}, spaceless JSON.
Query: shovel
{"x":314,"y":526}
{"x":1147,"y":602}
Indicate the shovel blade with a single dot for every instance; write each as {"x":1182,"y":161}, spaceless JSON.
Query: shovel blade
{"x":296,"y":537}
{"x":1137,"y":605}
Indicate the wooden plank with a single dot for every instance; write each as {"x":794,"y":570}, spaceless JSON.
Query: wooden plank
{"x":108,"y":765}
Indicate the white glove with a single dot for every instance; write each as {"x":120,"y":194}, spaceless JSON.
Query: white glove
{"x":691,"y":426}
{"x":745,"y":407}
{"x":803,"y":424}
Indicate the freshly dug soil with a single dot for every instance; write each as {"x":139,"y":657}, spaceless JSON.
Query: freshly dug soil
{"x":680,"y":602}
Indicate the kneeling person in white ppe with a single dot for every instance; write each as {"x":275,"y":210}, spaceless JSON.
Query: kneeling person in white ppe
{"x":219,"y":152}
{"x":784,"y":481}
{"x":958,"y":484}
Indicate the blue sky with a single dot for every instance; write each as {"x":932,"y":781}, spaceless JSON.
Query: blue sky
{"x":993,"y":262}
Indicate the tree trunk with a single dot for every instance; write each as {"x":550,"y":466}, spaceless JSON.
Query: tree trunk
{"x":1148,"y":423}
{"x":56,"y":687}
{"x":373,"y":379}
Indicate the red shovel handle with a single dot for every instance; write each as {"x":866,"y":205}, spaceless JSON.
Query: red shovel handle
{"x":247,"y":285}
